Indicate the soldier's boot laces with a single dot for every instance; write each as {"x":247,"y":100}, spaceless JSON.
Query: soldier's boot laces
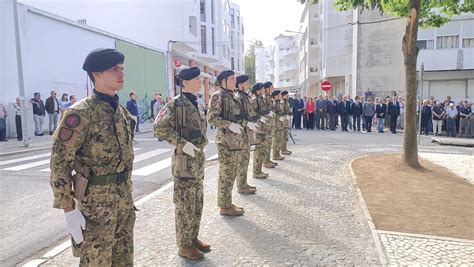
{"x":202,"y":246}
{"x":191,"y":253}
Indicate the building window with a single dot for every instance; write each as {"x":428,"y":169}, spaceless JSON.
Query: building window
{"x":467,"y":42}
{"x":281,"y":63}
{"x":203,"y":39}
{"x":212,"y":11}
{"x":232,"y":18}
{"x":232,"y":40}
{"x":281,"y":47}
{"x":238,"y":18}
{"x":213,"y":41}
{"x":193,"y":25}
{"x":425,"y":44}
{"x":446,"y":42}
{"x":232,"y":63}
{"x":203,"y":10}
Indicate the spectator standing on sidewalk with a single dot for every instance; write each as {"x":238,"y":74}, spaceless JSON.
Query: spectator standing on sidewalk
{"x":53,"y":108}
{"x":63,"y":102}
{"x":368,"y":111}
{"x":3,"y":123}
{"x":17,"y":108}
{"x":438,"y":115}
{"x":451,"y":113}
{"x":425,"y":117}
{"x":310,"y":109}
{"x":132,"y":107}
{"x":401,"y":118}
{"x":356,"y":113}
{"x":38,"y":113}
{"x":380,"y":111}
{"x":393,"y":110}
{"x":72,"y":101}
{"x":464,"y":113}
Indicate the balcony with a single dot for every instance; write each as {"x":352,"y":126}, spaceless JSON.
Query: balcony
{"x":205,"y":59}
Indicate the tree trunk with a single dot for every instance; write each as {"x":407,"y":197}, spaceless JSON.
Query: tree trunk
{"x":410,"y":53}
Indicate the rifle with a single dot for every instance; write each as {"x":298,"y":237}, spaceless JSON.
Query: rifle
{"x":180,"y":168}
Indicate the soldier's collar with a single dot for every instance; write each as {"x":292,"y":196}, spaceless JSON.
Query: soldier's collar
{"x":111,"y":100}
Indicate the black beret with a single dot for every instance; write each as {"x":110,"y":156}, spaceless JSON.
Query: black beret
{"x":257,"y":87}
{"x":267,"y":85}
{"x":223,"y":75}
{"x":284,"y":92}
{"x":241,"y":79}
{"x":189,"y":73}
{"x":276,"y":92}
{"x":102,"y":59}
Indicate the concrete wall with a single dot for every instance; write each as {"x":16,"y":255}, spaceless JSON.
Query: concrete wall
{"x":380,"y":66}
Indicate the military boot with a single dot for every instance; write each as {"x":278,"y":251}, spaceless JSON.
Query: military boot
{"x":252,"y":187}
{"x":274,"y":163}
{"x":202,"y":246}
{"x":287,"y":152}
{"x":240,"y":208}
{"x":246,"y":191}
{"x":268,"y":165}
{"x":278,"y":158}
{"x":191,"y":253}
{"x":232,"y":211}
{"x":260,"y":176}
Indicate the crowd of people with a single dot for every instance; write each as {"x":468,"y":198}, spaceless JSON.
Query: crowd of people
{"x":362,"y":114}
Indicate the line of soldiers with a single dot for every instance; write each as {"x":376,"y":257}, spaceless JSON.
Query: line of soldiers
{"x":92,"y":156}
{"x":240,"y":121}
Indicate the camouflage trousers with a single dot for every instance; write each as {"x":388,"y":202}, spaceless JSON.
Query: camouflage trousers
{"x":284,"y":144}
{"x":188,"y":199}
{"x":228,"y":168}
{"x":110,"y":218}
{"x":277,"y":143}
{"x":268,"y":143}
{"x":244,"y":160}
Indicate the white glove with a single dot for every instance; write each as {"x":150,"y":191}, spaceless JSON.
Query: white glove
{"x":263,"y":119}
{"x":76,"y":223}
{"x":282,"y":119}
{"x":252,"y":126}
{"x":189,"y":148}
{"x":272,"y":114}
{"x":235,"y":128}
{"x":288,"y":117}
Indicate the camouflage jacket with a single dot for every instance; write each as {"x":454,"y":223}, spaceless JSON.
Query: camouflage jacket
{"x":277,"y":107}
{"x":248,"y":110}
{"x":260,"y":107}
{"x":223,"y":110}
{"x":268,"y":101}
{"x":194,"y":126}
{"x":95,"y":136}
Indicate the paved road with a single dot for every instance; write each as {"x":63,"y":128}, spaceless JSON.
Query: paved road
{"x":29,"y":225}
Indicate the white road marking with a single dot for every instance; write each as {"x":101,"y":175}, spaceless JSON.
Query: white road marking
{"x":27,"y":165}
{"x":152,"y":168}
{"x":11,"y":161}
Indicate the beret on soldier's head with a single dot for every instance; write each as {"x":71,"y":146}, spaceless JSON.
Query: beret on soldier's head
{"x":241,"y":79}
{"x":189,"y":73}
{"x":276,"y":92}
{"x":257,"y":87}
{"x":267,"y":85}
{"x":223,"y":75}
{"x":102,"y":59}
{"x":284,"y":93}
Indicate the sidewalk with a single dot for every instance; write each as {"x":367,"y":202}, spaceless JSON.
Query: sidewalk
{"x":307,"y":213}
{"x":45,"y":142}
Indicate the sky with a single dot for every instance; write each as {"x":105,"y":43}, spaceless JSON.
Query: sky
{"x":266,"y":19}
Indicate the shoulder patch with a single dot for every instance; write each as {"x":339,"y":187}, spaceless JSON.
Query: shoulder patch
{"x":214,"y":100}
{"x":65,"y":134}
{"x":160,"y":115}
{"x":72,"y":120}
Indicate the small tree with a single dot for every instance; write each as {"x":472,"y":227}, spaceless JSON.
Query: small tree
{"x":250,"y":59}
{"x":424,"y":13}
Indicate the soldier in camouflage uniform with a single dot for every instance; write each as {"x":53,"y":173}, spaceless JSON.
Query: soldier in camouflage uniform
{"x":250,"y":119}
{"x":260,"y":107}
{"x":95,"y":140}
{"x":224,"y":113}
{"x":181,"y":124}
{"x":268,"y":86}
{"x":279,"y":125}
{"x":287,"y":113}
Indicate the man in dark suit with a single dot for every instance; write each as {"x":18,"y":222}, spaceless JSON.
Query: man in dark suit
{"x":332,"y":111}
{"x":344,"y":109}
{"x":356,"y":109}
{"x":393,"y":112}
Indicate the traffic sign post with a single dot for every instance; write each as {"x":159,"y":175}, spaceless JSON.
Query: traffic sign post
{"x":326,"y":86}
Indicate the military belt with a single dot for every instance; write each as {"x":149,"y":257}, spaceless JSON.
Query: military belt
{"x":115,"y":178}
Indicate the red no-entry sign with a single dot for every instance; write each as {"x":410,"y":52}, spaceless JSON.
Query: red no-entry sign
{"x":177,"y":63}
{"x":326,"y":86}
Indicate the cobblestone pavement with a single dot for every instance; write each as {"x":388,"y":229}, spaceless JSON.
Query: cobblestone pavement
{"x":403,"y":249}
{"x":462,"y":165}
{"x":307,"y":213}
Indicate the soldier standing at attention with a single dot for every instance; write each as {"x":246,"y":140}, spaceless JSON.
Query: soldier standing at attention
{"x":287,"y":113}
{"x":225,"y":114}
{"x":279,"y":127}
{"x":94,"y":138}
{"x":271,"y":125}
{"x":259,"y":154}
{"x":183,"y":125}
{"x":250,"y":117}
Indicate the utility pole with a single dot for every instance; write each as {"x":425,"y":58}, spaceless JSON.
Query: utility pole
{"x":169,"y":64}
{"x":422,"y":69}
{"x":21,"y":84}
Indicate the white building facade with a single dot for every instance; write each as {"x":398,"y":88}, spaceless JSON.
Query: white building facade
{"x":286,"y":57}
